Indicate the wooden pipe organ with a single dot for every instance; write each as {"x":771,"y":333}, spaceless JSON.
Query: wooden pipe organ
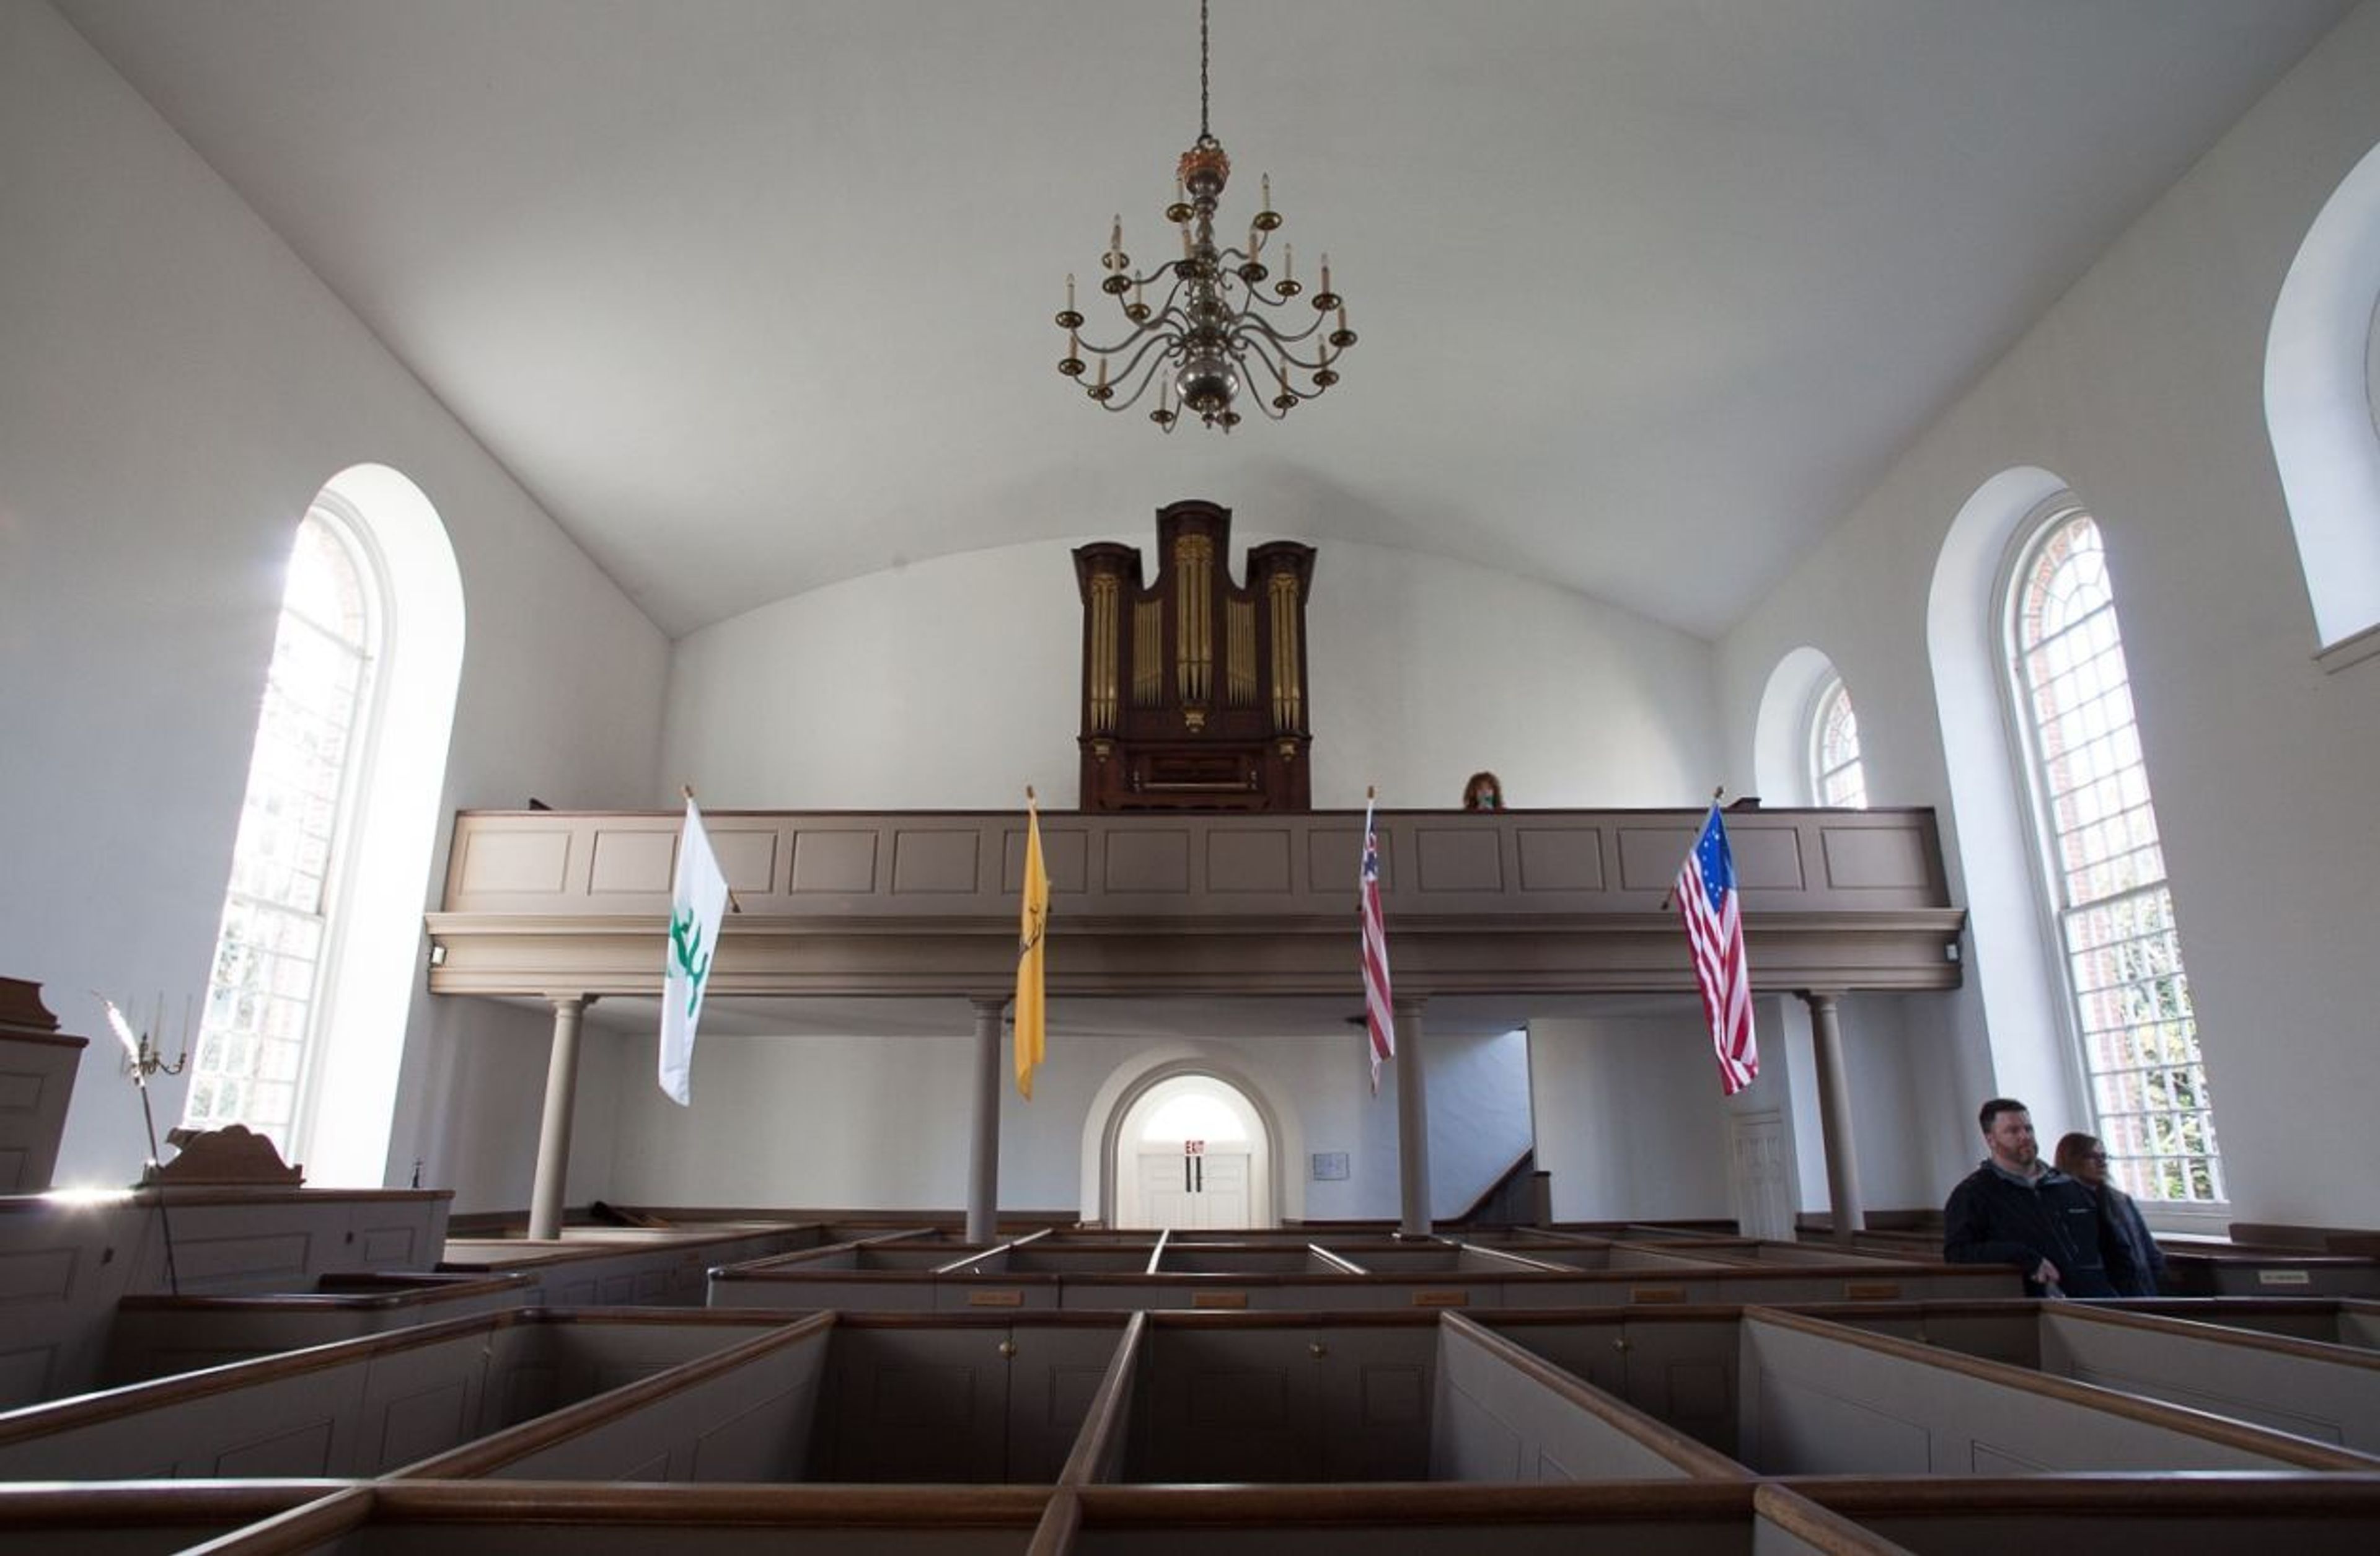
{"x":1194,"y":687}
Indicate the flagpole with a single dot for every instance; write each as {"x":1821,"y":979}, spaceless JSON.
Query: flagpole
{"x":733,"y":905}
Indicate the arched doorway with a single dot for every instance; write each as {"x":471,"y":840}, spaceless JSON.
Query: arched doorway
{"x":1191,"y":1151}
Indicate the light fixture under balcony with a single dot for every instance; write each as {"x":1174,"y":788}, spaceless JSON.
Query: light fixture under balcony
{"x":1217,"y":330}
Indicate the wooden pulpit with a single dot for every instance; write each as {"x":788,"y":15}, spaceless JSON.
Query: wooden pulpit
{"x":1194,"y":687}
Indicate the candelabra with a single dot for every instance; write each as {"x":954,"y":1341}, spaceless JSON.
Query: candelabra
{"x":142,"y":1059}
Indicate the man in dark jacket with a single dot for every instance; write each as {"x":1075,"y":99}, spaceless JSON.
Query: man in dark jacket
{"x":2016,"y":1209}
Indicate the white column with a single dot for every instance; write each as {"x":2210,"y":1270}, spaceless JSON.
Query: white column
{"x":983,"y":1170}
{"x":1834,"y":1116}
{"x":1412,"y":1124}
{"x":553,"y":1133}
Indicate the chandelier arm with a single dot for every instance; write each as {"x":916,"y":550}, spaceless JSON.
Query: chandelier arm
{"x":1277,"y":367}
{"x":1140,"y":391}
{"x":1155,"y":340}
{"x":1157,"y":277}
{"x":1249,"y":328}
{"x":1282,"y":305}
{"x":1286,"y":337}
{"x":1170,"y":326}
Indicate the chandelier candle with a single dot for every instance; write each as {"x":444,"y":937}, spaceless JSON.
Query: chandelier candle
{"x":1218,"y":326}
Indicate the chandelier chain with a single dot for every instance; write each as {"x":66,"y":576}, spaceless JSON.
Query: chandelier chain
{"x":1204,"y":134}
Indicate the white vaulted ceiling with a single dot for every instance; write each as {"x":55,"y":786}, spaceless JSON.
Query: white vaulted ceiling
{"x":755,"y":295}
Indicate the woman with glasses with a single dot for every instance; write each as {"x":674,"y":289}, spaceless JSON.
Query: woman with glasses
{"x":2084,"y":1158}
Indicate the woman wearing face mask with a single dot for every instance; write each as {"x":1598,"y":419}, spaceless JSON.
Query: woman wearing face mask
{"x":1485,"y":792}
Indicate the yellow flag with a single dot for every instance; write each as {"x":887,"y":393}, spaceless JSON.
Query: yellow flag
{"x":1032,"y":1023}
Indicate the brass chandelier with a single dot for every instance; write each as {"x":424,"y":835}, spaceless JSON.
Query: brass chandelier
{"x":1217,"y":329}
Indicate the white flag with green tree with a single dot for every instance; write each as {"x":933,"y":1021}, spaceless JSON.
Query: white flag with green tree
{"x":697,"y":903}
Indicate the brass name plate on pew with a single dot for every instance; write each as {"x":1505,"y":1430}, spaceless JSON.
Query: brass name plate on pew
{"x":1441,"y":1299}
{"x":2284,"y":1278}
{"x":995,"y":1299}
{"x":1232,"y":1299}
{"x":1657,"y":1293}
{"x":1871,"y":1291}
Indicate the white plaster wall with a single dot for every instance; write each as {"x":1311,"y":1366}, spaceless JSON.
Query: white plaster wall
{"x":1887,"y":1056}
{"x":879,"y":1123}
{"x":174,"y":387}
{"x":1629,"y":1119}
{"x":2142,"y":387}
{"x":1893,"y":1090}
{"x":1478,"y":1112}
{"x":954,"y":682}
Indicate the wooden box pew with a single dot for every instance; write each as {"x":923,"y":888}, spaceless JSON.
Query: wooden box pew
{"x":1327,"y":1281}
{"x":154,"y":1336}
{"x":2238,"y":1271}
{"x":1048,"y":1260}
{"x":1437,"y":1257}
{"x":2008,"y":1330}
{"x":1502,"y":1412}
{"x":1643,"y":1518}
{"x":557,"y":1518}
{"x":829,"y":1397}
{"x":977,"y":1291}
{"x":621,"y":1266}
{"x":1221,"y":1290}
{"x":1323,"y":1281}
{"x":2337,"y":1321}
{"x":744,"y":1412}
{"x":1364,"y":1396}
{"x":142,"y":1518}
{"x":358,"y":1408}
{"x":1820,"y":1398}
{"x":65,"y":1261}
{"x":1764,"y":1251}
{"x":1916,"y":1247}
{"x":1705,"y":1281}
{"x":2306,"y":1387}
{"x":1239,"y":1258}
{"x":2194,"y":1515}
{"x":1677,"y":1364}
{"x":1277,"y":1397}
{"x":877,"y":1276}
{"x":2327,"y":1393}
{"x":1641,"y":1231}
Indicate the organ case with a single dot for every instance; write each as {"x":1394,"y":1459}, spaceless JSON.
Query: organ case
{"x":1194,"y":687}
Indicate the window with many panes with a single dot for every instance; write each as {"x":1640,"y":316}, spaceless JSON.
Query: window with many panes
{"x":2106,"y":870}
{"x":267,"y":982}
{"x":1835,"y":774}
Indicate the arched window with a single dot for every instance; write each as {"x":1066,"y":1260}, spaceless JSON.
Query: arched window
{"x":252,"y":1063}
{"x":318,"y":961}
{"x":1835,"y":777}
{"x":2322,"y":410}
{"x":2105,"y":867}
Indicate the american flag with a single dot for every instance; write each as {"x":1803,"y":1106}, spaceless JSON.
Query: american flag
{"x":1379,"y":1015}
{"x":1708,"y":901}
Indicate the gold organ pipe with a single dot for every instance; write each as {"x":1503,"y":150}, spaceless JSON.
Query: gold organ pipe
{"x":1103,"y":653}
{"x":1147,"y":654}
{"x":1240,"y":652}
{"x":1193,"y":627}
{"x":1288,"y":698}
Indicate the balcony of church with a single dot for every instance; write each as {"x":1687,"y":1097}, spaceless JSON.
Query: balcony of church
{"x":1517,"y":902}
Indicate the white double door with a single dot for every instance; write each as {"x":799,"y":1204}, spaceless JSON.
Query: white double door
{"x":1193,"y":1191}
